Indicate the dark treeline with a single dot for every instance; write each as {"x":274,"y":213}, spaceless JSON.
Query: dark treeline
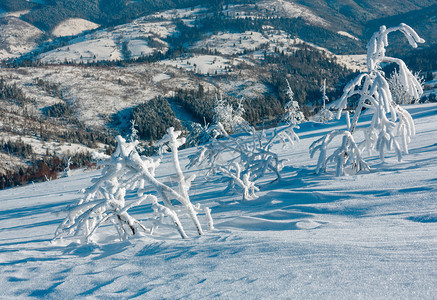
{"x":197,"y":102}
{"x":422,"y":60}
{"x":103,"y":12}
{"x":305,"y":69}
{"x":53,"y":89}
{"x":201,"y":104}
{"x":16,"y":148}
{"x":17,"y":5}
{"x":153,"y":117}
{"x":12,"y":92}
{"x":45,"y":168}
{"x":59,"y":110}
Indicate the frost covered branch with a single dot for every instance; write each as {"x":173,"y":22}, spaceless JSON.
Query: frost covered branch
{"x":231,"y":119}
{"x":243,"y":158}
{"x":126,"y":170}
{"x":390,"y":123}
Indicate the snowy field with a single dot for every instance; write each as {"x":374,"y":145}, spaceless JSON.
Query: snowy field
{"x":367,"y":236}
{"x":73,"y":26}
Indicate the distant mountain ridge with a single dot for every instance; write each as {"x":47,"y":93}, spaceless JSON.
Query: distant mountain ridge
{"x":88,"y":67}
{"x":347,"y":14}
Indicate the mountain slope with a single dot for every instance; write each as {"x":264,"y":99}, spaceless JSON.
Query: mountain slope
{"x":17,"y":37}
{"x":354,"y":15}
{"x":371,"y":235}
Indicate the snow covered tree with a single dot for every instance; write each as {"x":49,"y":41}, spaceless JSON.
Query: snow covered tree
{"x":391,"y":126}
{"x":325,"y":114}
{"x":197,"y":134}
{"x":134,"y":132}
{"x":293,"y":114}
{"x":231,"y":119}
{"x":247,"y":156}
{"x":402,"y":95}
{"x":127,"y":171}
{"x":67,"y":170}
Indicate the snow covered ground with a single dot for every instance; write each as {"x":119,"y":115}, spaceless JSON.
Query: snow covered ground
{"x":368,"y":236}
{"x":16,"y":14}
{"x":73,"y":26}
{"x":348,"y":35}
{"x":87,"y":90}
{"x":202,"y":64}
{"x":16,"y":37}
{"x":108,"y":44}
{"x":274,"y":8}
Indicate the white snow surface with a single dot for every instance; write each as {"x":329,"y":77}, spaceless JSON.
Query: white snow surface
{"x":368,"y":236}
{"x":202,"y":64}
{"x":16,"y":14}
{"x":73,"y":26}
{"x":233,"y":43}
{"x":143,"y":36}
{"x":347,"y":34}
{"x":108,"y":44}
{"x":355,"y":62}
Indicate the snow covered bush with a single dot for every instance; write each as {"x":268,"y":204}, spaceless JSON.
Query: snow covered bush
{"x":231,"y":119}
{"x":293,"y":114}
{"x":197,"y":134}
{"x":391,"y":126}
{"x":105,"y":201}
{"x":324,"y":115}
{"x":243,"y":158}
{"x":67,"y":170}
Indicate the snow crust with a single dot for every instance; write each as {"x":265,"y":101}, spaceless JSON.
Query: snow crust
{"x":73,"y":26}
{"x":370,"y":235}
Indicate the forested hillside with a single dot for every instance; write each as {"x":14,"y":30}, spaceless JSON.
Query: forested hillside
{"x":88,"y":68}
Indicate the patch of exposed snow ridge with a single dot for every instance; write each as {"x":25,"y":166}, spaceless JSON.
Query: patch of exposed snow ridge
{"x":347,"y":34}
{"x":109,"y":44}
{"x":291,"y":9}
{"x":16,"y":14}
{"x":73,"y":26}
